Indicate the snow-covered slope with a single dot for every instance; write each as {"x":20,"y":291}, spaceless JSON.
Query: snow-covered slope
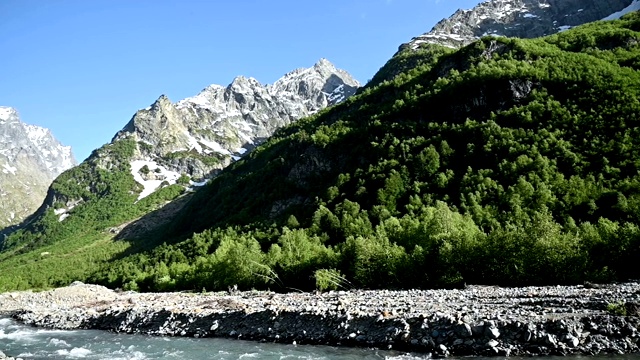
{"x":30,"y":158}
{"x":519,"y":18}
{"x":199,"y":135}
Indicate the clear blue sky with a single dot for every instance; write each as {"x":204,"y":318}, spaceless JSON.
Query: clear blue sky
{"x":83,"y":67}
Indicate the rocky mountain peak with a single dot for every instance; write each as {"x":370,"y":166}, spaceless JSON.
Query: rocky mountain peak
{"x":335,"y":84}
{"x":241,"y":82}
{"x":161,"y":102}
{"x":324,"y":64}
{"x":8,"y":114}
{"x":199,"y":135}
{"x":30,"y":158}
{"x":519,"y":18}
{"x":162,"y":99}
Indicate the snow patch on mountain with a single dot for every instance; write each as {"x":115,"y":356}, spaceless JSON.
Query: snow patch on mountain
{"x":160,"y":175}
{"x":205,"y":99}
{"x":8,"y":169}
{"x":195,"y":184}
{"x":635,"y":6}
{"x":214,"y":146}
{"x":64,"y":212}
{"x":6,"y":112}
{"x":337,"y":95}
{"x":37,"y":134}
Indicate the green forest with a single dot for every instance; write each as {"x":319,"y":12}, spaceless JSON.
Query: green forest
{"x":509,"y":162}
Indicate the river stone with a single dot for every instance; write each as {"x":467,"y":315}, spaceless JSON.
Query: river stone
{"x":492,"y":333}
{"x":214,"y":326}
{"x":528,"y":335}
{"x":477,"y":330}
{"x":549,"y":339}
{"x":464,"y":330}
{"x":572,"y":341}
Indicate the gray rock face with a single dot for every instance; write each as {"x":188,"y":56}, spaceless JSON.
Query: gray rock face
{"x":201,"y":134}
{"x":30,"y":158}
{"x":519,"y":18}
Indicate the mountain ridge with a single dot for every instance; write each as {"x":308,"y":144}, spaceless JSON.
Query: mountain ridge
{"x":518,"y":18}
{"x":507,"y":161}
{"x":223,"y":123}
{"x":509,"y":18}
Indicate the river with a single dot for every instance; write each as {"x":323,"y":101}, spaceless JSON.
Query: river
{"x":27,"y":342}
{"x":18,"y":340}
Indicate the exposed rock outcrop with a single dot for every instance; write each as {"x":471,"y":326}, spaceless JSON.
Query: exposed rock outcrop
{"x":201,"y":134}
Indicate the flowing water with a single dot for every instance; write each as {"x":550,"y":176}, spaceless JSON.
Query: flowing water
{"x":18,"y":340}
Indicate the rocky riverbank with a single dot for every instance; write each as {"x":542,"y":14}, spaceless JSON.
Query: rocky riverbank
{"x":478,"y":320}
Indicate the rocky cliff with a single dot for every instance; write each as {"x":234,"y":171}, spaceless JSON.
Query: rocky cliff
{"x":199,"y":135}
{"x":30,"y":158}
{"x":519,"y":18}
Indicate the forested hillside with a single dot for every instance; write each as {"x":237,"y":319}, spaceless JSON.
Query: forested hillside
{"x":509,"y":161}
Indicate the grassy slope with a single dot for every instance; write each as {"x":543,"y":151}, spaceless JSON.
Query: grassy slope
{"x":47,"y":252}
{"x":57,"y":264}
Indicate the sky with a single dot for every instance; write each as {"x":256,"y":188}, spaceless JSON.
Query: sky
{"x":82,"y":68}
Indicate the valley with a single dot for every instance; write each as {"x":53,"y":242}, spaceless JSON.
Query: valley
{"x":492,"y":165}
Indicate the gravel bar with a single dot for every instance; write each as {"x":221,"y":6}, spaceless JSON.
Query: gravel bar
{"x":477,"y":320}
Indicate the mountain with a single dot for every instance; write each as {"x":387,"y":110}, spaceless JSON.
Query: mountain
{"x":511,"y":18}
{"x":200,"y":135}
{"x":168,"y":148}
{"x":506,"y":161}
{"x":519,"y":18}
{"x":30,"y":158}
